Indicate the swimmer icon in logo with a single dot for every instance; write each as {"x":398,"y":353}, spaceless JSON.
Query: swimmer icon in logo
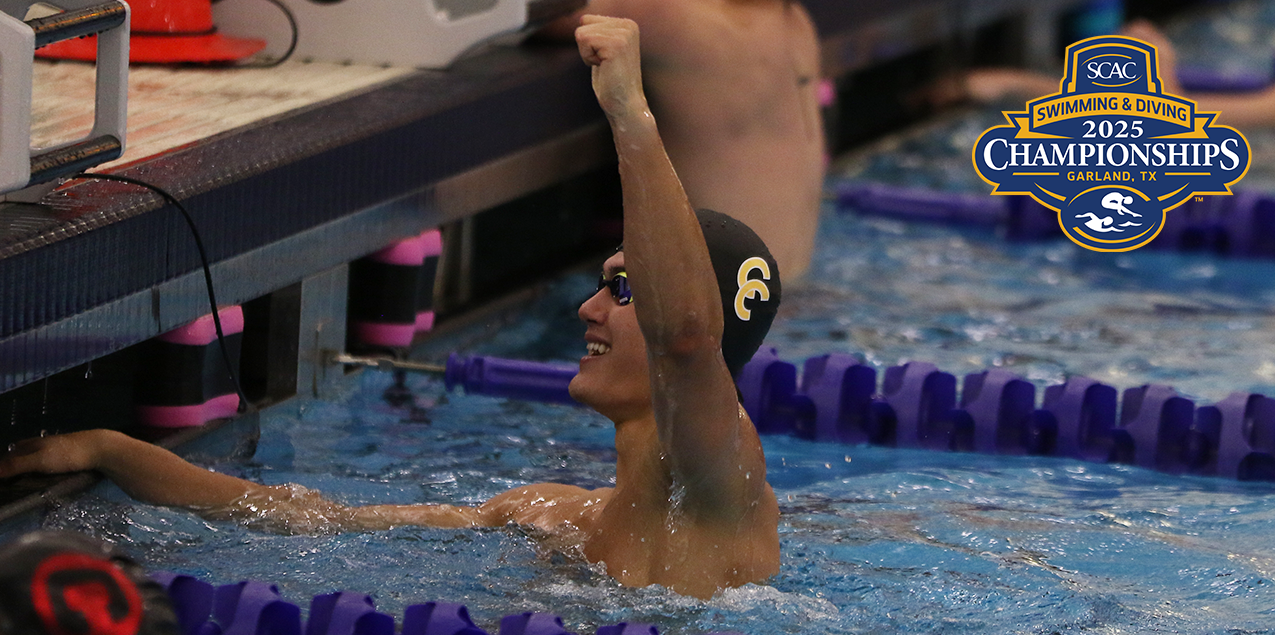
{"x":1113,"y":201}
{"x":1112,"y":210}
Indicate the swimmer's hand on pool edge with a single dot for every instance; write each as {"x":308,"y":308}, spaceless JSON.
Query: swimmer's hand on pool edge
{"x":153,"y":475}
{"x":144,"y":471}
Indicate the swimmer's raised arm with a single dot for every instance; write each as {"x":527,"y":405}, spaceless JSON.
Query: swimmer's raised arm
{"x":675,"y":291}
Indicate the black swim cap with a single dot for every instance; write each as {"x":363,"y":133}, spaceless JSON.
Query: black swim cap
{"x":748,"y":279}
{"x":64,"y":583}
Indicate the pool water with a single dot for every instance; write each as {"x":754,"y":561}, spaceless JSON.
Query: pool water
{"x":936,"y":155}
{"x":873,"y":539}
{"x":1237,"y":39}
{"x":891,"y":292}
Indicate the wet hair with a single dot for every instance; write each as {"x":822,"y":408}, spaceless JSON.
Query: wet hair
{"x":46,"y":576}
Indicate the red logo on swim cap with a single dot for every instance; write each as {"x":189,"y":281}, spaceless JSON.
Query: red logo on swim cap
{"x":77,"y":594}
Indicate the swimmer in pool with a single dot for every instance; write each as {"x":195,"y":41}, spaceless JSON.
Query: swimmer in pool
{"x":733,"y":83}
{"x":673,"y":318}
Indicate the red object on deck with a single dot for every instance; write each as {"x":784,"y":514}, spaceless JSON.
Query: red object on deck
{"x":165,"y":32}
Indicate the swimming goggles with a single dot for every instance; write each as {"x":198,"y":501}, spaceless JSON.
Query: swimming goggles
{"x":619,"y":286}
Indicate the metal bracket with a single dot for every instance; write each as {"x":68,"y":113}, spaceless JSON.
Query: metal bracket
{"x":27,"y":173}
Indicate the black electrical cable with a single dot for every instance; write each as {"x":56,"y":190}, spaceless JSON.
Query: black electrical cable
{"x":292,"y":46}
{"x":203,"y":259}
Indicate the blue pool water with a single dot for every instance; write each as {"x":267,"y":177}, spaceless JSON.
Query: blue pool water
{"x":1237,"y":40}
{"x":874,"y":539}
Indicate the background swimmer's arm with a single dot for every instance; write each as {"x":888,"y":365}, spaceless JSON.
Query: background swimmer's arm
{"x":674,"y":288}
{"x":144,"y":471}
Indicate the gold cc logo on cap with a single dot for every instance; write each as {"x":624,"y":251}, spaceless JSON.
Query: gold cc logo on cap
{"x":751,"y":288}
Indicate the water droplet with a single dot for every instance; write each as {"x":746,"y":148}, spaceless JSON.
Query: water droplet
{"x":44,"y":433}
{"x":88,"y":370}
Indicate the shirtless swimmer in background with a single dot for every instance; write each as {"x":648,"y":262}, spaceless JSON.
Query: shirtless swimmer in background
{"x":734,"y":86}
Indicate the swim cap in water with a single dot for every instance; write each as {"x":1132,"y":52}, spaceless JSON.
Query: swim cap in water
{"x":748,"y":279}
{"x":63,"y":583}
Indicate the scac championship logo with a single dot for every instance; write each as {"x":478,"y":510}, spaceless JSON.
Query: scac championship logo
{"x":1111,"y":152}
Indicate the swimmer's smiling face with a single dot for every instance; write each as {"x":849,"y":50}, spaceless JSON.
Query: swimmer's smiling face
{"x":613,"y":376}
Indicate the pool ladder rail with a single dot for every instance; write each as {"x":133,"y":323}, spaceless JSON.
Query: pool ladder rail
{"x":27,"y":173}
{"x":252,"y":608}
